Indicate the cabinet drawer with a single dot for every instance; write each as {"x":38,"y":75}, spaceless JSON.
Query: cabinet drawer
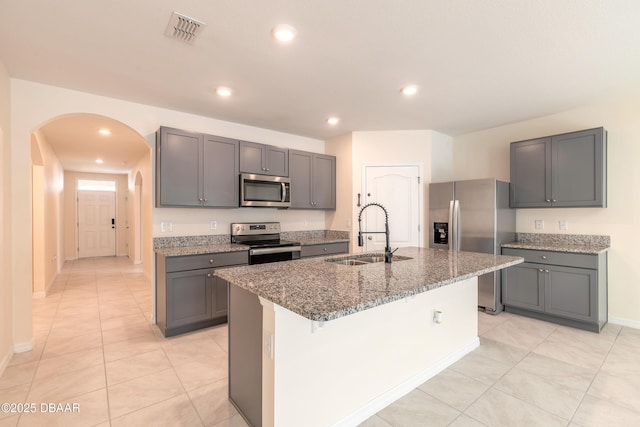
{"x":554,"y":258}
{"x":328,"y":249}
{"x":192,"y":262}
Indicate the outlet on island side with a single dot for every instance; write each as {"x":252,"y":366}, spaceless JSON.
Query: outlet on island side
{"x":539,"y":224}
{"x":564,"y":225}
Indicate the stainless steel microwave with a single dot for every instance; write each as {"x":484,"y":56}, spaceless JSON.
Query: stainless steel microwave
{"x":265,"y":191}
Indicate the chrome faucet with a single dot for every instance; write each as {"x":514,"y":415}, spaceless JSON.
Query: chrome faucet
{"x":388,"y":253}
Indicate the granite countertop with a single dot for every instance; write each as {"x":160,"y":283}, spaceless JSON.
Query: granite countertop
{"x":305,"y":241}
{"x":558,"y":247}
{"x":201,"y":249}
{"x":572,"y":243}
{"x":322,"y":291}
{"x":233,"y":247}
{"x":210,"y":244}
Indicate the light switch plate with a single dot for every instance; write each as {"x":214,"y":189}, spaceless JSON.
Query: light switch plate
{"x":166,"y":226}
{"x":539,"y":224}
{"x":564,"y":225}
{"x":214,"y":225}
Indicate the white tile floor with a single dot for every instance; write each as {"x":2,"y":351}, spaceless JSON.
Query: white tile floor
{"x":95,"y":347}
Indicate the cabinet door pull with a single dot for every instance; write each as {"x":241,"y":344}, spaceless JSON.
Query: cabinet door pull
{"x":540,"y":270}
{"x":209,"y":275}
{"x":546,"y":271}
{"x":544,"y":257}
{"x":211,"y":261}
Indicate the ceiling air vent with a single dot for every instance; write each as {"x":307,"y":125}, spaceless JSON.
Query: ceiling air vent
{"x":183,"y":28}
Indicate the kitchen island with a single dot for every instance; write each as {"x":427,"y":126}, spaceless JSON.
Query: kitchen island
{"x":319,"y":342}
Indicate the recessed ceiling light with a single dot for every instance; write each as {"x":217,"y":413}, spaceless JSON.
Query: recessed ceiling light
{"x":333,"y":120}
{"x":104,"y":132}
{"x":223,"y":91}
{"x":99,"y":161}
{"x":284,"y":32}
{"x":409,"y":90}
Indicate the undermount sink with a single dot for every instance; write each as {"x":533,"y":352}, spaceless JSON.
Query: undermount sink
{"x":364,"y":259}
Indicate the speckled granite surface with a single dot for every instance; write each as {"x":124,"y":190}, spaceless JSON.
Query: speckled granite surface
{"x":201,"y":249}
{"x":181,"y":241}
{"x":572,"y":243}
{"x":196,"y":245}
{"x":316,"y":237}
{"x":321,"y":291}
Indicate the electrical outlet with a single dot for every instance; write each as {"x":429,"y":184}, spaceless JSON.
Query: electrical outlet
{"x":166,"y":226}
{"x":539,"y":224}
{"x":564,"y":225}
{"x":214,"y":225}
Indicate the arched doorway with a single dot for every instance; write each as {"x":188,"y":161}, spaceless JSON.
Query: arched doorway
{"x":87,"y":146}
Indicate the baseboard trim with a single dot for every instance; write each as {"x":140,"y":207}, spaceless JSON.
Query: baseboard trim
{"x":5,"y":361}
{"x":384,"y":400}
{"x":624,"y":322}
{"x":23,"y":347}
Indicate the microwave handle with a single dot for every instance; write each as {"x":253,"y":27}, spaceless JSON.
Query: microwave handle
{"x":284,"y":191}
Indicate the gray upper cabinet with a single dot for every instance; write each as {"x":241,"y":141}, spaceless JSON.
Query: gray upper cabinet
{"x":221,"y":185}
{"x":263,"y":159}
{"x":178,"y":168}
{"x":313,"y":180}
{"x":567,"y":170}
{"x":194,"y":169}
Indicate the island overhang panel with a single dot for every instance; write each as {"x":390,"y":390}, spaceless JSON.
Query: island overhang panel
{"x":337,"y":343}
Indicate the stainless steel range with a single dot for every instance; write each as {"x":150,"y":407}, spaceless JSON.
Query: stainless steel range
{"x":263,"y":239}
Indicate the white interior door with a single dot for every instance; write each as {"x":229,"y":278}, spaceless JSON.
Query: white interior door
{"x":96,"y":223}
{"x":397,"y":188}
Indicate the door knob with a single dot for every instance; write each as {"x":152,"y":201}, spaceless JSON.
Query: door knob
{"x":370,"y":237}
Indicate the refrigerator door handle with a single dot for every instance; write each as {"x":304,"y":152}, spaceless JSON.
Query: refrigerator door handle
{"x":456,"y":225}
{"x":452,"y":228}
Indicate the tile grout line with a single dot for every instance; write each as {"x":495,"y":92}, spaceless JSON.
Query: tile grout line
{"x":586,"y":391}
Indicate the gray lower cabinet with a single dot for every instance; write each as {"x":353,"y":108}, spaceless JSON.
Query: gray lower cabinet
{"x":565,"y":288}
{"x":324,"y":249}
{"x":195,"y":169}
{"x":263,"y":159}
{"x":188,"y":294}
{"x":567,"y":170}
{"x":313,"y":180}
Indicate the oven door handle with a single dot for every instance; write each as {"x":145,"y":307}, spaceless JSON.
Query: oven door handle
{"x":278,"y":250}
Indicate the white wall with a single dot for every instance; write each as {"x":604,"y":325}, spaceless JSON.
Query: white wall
{"x":431,"y":150}
{"x":141,"y":229}
{"x":52,"y":211}
{"x":341,"y":218}
{"x":6,"y":301}
{"x":486,"y":154}
{"x":33,"y":104}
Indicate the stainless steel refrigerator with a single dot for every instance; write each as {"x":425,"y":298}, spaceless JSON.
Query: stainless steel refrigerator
{"x":473,"y":216}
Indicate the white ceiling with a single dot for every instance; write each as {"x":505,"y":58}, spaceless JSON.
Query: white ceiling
{"x":78,"y":144}
{"x":478,"y":64}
